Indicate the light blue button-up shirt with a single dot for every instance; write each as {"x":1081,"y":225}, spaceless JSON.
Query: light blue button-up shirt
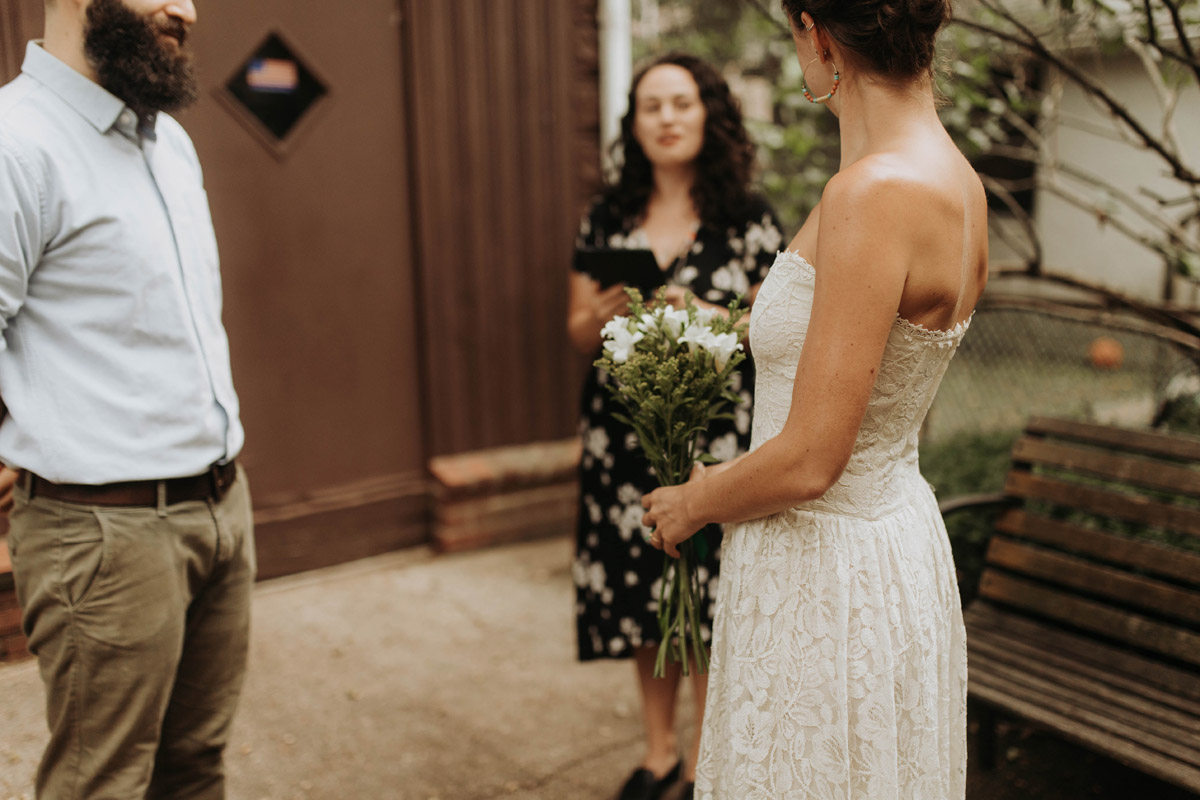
{"x":114,"y":364}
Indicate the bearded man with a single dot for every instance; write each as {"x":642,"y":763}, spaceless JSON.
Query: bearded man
{"x":131,"y":534}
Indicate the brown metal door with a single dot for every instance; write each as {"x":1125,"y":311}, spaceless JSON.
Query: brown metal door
{"x":317,"y":265}
{"x":504,"y":120}
{"x":20,"y":21}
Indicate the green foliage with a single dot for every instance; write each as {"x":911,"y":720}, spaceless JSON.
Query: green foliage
{"x":969,"y":463}
{"x":1182,"y":415}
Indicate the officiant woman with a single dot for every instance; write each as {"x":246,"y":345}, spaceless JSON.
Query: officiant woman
{"x":684,"y":193}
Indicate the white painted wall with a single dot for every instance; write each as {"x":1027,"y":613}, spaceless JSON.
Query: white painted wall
{"x":1076,"y":243}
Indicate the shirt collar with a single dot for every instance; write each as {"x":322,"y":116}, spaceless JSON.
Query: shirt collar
{"x":92,"y":101}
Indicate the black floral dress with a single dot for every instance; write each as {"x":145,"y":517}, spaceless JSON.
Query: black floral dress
{"x":617,"y":574}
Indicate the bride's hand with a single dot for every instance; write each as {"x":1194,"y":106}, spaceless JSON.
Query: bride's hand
{"x":667,"y":512}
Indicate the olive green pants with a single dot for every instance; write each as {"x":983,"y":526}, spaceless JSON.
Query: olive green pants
{"x":139,"y":618}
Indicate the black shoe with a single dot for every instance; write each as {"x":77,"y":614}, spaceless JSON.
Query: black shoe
{"x":642,"y":785}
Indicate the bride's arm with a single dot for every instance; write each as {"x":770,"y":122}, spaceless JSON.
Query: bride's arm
{"x":862,"y":260}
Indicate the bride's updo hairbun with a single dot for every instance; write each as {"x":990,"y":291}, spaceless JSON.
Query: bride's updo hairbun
{"x":894,"y":38}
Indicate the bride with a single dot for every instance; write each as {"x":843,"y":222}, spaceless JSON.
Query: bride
{"x":839,"y":657}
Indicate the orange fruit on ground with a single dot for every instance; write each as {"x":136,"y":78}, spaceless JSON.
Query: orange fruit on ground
{"x":1106,"y":353}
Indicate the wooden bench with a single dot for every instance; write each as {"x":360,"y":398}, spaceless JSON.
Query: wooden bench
{"x":1087,"y":621}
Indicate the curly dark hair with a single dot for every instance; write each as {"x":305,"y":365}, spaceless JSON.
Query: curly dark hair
{"x":723,"y":167}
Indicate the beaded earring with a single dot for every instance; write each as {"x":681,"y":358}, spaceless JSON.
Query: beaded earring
{"x":837,"y":79}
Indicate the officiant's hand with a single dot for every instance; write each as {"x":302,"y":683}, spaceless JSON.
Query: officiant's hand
{"x":667,"y":512}
{"x":608,"y":303}
{"x":676,"y":296}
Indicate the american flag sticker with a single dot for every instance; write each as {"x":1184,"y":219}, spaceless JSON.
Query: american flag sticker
{"x":276,"y":75}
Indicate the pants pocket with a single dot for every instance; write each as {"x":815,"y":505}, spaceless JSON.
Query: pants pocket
{"x":82,"y":556}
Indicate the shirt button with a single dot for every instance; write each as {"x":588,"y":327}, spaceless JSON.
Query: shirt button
{"x":127,"y":118}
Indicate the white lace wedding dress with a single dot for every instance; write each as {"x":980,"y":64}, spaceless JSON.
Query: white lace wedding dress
{"x":839,"y":666}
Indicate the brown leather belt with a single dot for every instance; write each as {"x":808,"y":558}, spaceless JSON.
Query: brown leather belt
{"x":210,"y":485}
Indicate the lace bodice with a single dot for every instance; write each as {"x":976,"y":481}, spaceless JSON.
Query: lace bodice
{"x":884,"y":459}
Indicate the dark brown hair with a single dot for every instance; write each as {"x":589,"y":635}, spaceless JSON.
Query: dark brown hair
{"x":723,"y":167}
{"x":892,"y":38}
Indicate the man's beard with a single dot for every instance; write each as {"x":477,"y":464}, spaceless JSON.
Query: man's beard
{"x":133,"y":62}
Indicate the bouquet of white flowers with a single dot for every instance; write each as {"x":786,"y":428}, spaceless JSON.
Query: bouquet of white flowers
{"x":672,"y":372}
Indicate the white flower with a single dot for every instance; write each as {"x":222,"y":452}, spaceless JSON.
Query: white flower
{"x":763,"y":237}
{"x":649,"y":322}
{"x":620,"y":339}
{"x":613,"y":326}
{"x":741,"y":284}
{"x":674,"y":320}
{"x":629,"y":522}
{"x":628,"y":495}
{"x":596,"y":577}
{"x":696,"y":336}
{"x":723,"y":278}
{"x":724,"y":448}
{"x":596,"y":442}
{"x":595,"y":513}
{"x":741,"y":419}
{"x":722,"y":346}
{"x":579,"y":573}
{"x":704,"y":316}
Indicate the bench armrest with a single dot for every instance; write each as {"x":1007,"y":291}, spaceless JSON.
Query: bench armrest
{"x":971,"y":502}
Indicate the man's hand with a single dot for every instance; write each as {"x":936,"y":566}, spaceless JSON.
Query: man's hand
{"x":8,"y":479}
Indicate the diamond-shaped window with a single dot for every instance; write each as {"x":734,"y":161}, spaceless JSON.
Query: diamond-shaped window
{"x":276,"y":87}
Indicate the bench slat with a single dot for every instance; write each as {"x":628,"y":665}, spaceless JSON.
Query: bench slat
{"x":1173,"y":445}
{"x":1168,"y":562}
{"x":1109,"y":465}
{"x":1092,"y":616}
{"x":1098,"y":501}
{"x":1108,"y":691}
{"x":1158,"y":735}
{"x":1059,"y":717}
{"x":1076,"y":573}
{"x":983,"y":616}
{"x":1012,"y":649}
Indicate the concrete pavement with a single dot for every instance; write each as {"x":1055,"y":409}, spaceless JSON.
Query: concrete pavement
{"x":408,"y":677}
{"x":412,"y":677}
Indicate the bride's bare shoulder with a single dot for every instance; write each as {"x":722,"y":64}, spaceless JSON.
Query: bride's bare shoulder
{"x":887,"y":189}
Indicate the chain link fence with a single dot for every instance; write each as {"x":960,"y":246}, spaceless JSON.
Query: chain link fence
{"x":1020,"y":362}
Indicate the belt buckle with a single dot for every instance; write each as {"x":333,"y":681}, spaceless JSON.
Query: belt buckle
{"x":217,"y":480}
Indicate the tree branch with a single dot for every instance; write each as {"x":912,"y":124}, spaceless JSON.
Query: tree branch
{"x":1185,"y":43}
{"x":1032,"y":44}
{"x":1021,"y":216}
